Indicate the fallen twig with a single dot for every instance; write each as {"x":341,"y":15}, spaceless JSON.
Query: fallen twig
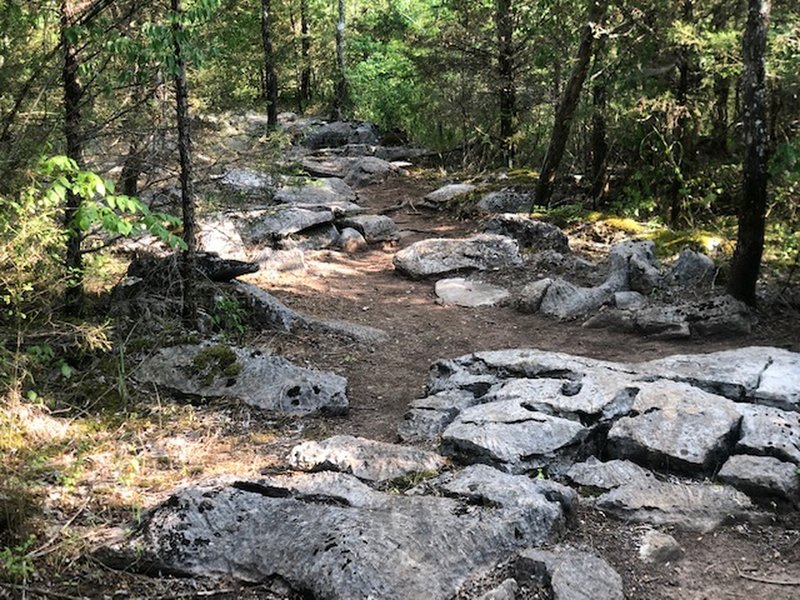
{"x":39,"y":591}
{"x":767,"y":580}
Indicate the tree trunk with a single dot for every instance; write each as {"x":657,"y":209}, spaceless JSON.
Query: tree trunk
{"x":73,"y":93}
{"x":684,"y":129}
{"x":340,"y":97}
{"x":270,"y":77}
{"x":719,"y":126}
{"x":599,"y":141}
{"x":305,"y":48}
{"x":568,"y":104}
{"x":185,"y":153}
{"x":504,"y":22}
{"x":750,"y":238}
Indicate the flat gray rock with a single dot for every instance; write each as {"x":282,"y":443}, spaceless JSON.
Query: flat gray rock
{"x":530,"y":234}
{"x":369,"y":170}
{"x":374,"y":228}
{"x":597,"y":475}
{"x":512,"y":438}
{"x":219,"y":234}
{"x":333,"y":537}
{"x":265,"y":310}
{"x":762,"y":477}
{"x":428,"y":417}
{"x":676,"y":426}
{"x":248,"y":182}
{"x":439,"y":256}
{"x":328,"y":192}
{"x":449,"y":192}
{"x":271,"y":224}
{"x":779,"y":383}
{"x":469,"y":293}
{"x":366,"y":459}
{"x":571,"y":574}
{"x":264,"y":381}
{"x":768,"y":431}
{"x":693,"y":506}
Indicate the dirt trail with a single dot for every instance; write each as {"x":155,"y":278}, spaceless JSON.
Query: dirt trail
{"x":384,"y":378}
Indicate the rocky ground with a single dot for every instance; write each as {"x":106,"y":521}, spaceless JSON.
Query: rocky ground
{"x":476,"y":519}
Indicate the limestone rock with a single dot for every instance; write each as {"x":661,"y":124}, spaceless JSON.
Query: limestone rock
{"x":693,"y":269}
{"x":428,"y":417}
{"x":351,"y":241}
{"x":366,"y":459}
{"x":564,"y":300}
{"x":439,"y":256}
{"x":374,"y":228}
{"x":778,"y":384}
{"x":369,"y":170}
{"x":219,"y":234}
{"x":326,"y":193}
{"x":505,"y":201}
{"x":248,"y":182}
{"x":676,"y":426}
{"x":597,"y":475}
{"x":629,"y":300}
{"x":659,"y":548}
{"x":529,"y":299}
{"x":340,"y":133}
{"x":512,"y":438}
{"x":634,"y":263}
{"x":507,"y":590}
{"x":467,"y":293}
{"x":768,"y":431}
{"x":269,"y":225}
{"x":694,"y":506}
{"x":762,"y":477}
{"x":268,"y":382}
{"x":333,"y":537}
{"x":529,"y":233}
{"x":266,"y":311}
{"x":572,"y":574}
{"x":449,"y":192}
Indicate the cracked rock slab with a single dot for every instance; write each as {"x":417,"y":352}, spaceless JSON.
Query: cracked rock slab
{"x":571,"y":574}
{"x":331,"y":536}
{"x":762,"y":476}
{"x":438,"y":256}
{"x":768,"y":431}
{"x":597,"y":475}
{"x":268,"y":382}
{"x":693,"y":506}
{"x":676,"y":426}
{"x":468,"y":293}
{"x":366,"y":459}
{"x":512,"y":438}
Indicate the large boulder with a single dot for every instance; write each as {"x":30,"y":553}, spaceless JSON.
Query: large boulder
{"x":340,"y":133}
{"x":762,"y":477}
{"x":506,"y":200}
{"x":268,"y":382}
{"x":248,"y":182}
{"x":449,"y":192}
{"x":693,"y":269}
{"x":331,"y":536}
{"x":439,"y":256}
{"x":374,"y":228}
{"x":328,"y":192}
{"x":272,"y":224}
{"x":369,"y":170}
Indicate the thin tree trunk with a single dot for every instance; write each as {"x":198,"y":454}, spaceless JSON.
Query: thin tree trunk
{"x":750,"y":238}
{"x":270,"y":77}
{"x":719,"y":126}
{"x":340,"y":97}
{"x":185,"y":153}
{"x":305,"y":49}
{"x":568,"y":104}
{"x":504,"y":22}
{"x":73,"y":93}
{"x":599,"y":141}
{"x":684,"y":129}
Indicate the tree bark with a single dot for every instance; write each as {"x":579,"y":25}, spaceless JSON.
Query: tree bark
{"x":752,"y":212}
{"x":185,"y":154}
{"x":569,"y":102}
{"x":599,"y":140}
{"x":304,"y":93}
{"x":270,"y":77}
{"x":340,"y":96}
{"x":684,"y":129}
{"x":73,"y":94}
{"x":719,"y":126}
{"x":504,"y":23}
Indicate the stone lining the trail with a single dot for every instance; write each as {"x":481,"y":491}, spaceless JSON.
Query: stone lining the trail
{"x":530,"y":234}
{"x":449,"y":192}
{"x":268,"y":382}
{"x":533,"y":411}
{"x":570,"y":573}
{"x":439,"y":256}
{"x":332,"y":536}
{"x":469,"y":293}
{"x":366,"y":459}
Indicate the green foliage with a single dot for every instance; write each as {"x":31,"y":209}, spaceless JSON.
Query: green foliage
{"x":15,"y":561}
{"x":228,"y":316}
{"x":214,"y":362}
